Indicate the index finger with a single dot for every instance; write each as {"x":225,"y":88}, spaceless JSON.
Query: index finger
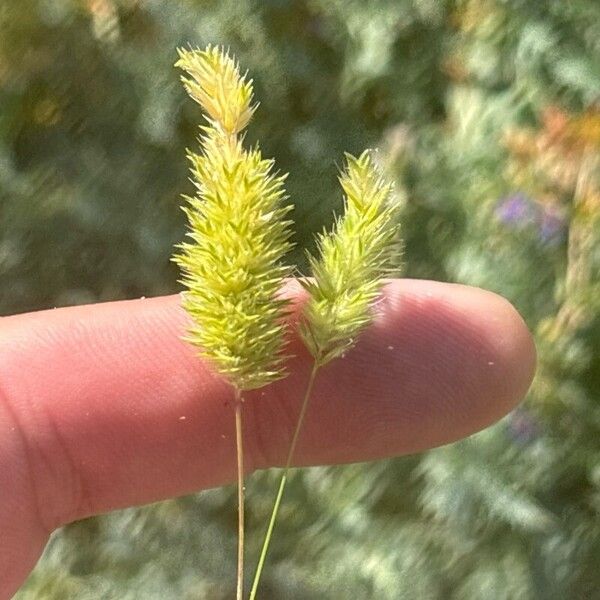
{"x":117,"y":410}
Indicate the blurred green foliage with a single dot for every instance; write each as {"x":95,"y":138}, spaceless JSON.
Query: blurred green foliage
{"x":486,"y":114}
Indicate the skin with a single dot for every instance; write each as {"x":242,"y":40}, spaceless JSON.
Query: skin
{"x":103,"y":406}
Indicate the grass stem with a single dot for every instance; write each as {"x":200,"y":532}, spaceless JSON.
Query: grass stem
{"x":240,"y":474}
{"x":283,"y":481}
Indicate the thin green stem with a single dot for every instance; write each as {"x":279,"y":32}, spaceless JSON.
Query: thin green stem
{"x":283,"y":481}
{"x":240,"y":474}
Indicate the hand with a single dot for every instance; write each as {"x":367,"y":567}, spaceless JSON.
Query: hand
{"x":104,"y":406}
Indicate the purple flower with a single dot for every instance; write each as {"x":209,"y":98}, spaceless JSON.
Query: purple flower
{"x":519,"y":212}
{"x":517,"y":209}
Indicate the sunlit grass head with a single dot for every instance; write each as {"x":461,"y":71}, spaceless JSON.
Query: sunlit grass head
{"x":238,"y":232}
{"x":362,"y":249}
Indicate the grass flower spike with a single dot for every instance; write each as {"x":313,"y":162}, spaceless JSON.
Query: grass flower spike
{"x":354,"y":258}
{"x":362,"y":249}
{"x":238,"y":235}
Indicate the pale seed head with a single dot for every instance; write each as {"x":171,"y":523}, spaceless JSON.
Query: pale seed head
{"x":238,"y":233}
{"x":362,"y":249}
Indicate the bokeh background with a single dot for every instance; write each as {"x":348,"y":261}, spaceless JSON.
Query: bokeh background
{"x":487,"y":116}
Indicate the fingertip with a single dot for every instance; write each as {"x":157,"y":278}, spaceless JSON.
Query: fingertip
{"x":489,"y":342}
{"x":512,"y":367}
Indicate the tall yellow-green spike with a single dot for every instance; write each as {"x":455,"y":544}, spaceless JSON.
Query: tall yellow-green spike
{"x":238,"y":234}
